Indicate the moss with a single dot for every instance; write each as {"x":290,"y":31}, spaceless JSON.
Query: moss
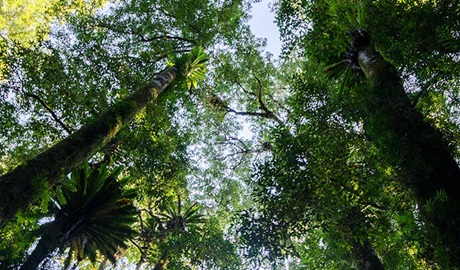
{"x":125,"y":108}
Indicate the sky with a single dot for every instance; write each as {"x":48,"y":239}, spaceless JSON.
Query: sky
{"x":263,"y":25}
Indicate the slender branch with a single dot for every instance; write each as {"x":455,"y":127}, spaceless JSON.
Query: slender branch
{"x":244,"y":150}
{"x":257,"y":114}
{"x":166,"y":37}
{"x":231,"y":139}
{"x":279,"y":104}
{"x":142,"y":37}
{"x":267,"y":113}
{"x":53,"y":114}
{"x":217,"y":102}
{"x":238,"y":163}
{"x":244,"y":89}
{"x":262,"y":105}
{"x":192,"y":26}
{"x":148,"y":211}
{"x":259,"y":94}
{"x":135,"y":244}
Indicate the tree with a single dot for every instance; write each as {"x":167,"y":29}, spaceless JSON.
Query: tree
{"x":403,"y":136}
{"x":22,"y":186}
{"x":348,"y":164}
{"x":391,"y":117}
{"x":97,"y":215}
{"x":138,"y":60}
{"x":27,"y":22}
{"x":85,"y":72}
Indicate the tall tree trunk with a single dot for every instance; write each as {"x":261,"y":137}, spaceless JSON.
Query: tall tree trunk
{"x":162,"y":262}
{"x":103,"y":264}
{"x":365,"y":257}
{"x":142,"y":261}
{"x":413,"y":145}
{"x":40,"y":252}
{"x":47,"y":244}
{"x":23,"y":186}
{"x":362,"y":251}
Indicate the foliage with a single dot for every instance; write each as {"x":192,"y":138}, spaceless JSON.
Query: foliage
{"x":95,"y":214}
{"x":320,"y":172}
{"x":381,"y":108}
{"x":319,"y":183}
{"x":179,"y":237}
{"x":95,"y":60}
{"x":16,"y":238}
{"x":28,"y":21}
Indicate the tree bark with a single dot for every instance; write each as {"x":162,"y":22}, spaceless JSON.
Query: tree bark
{"x":103,"y":264}
{"x":22,"y":187}
{"x":413,"y":145}
{"x":365,"y":257}
{"x":142,"y":261}
{"x":362,"y":251}
{"x":48,"y":242}
{"x":162,"y":262}
{"x":38,"y":255}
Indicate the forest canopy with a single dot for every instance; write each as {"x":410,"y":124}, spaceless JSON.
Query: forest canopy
{"x":156,"y":134}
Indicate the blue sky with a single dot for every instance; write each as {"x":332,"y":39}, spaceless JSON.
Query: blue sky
{"x":263,"y":25}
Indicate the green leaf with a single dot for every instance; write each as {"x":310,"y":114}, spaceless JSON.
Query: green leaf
{"x":60,"y":196}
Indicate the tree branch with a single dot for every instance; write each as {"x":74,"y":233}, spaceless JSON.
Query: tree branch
{"x":267,"y":113}
{"x":53,"y":114}
{"x":141,"y":37}
{"x":166,"y":37}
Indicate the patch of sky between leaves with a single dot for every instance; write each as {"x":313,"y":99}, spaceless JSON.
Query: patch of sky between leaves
{"x":262,"y":24}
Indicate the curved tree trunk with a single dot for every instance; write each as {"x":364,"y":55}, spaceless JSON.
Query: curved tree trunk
{"x":40,"y":252}
{"x":23,"y":186}
{"x":413,"y":145}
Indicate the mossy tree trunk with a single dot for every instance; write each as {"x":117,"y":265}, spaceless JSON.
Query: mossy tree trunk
{"x":415,"y":147}
{"x":22,"y":187}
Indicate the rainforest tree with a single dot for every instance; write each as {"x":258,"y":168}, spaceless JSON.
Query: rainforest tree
{"x":83,"y":82}
{"x":350,"y":162}
{"x":374,"y":87}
